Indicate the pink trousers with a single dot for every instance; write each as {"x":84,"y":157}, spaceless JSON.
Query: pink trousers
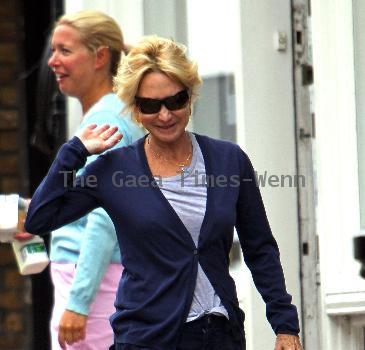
{"x":99,"y":334}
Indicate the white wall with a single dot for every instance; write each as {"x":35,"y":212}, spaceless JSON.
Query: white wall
{"x":213,"y":35}
{"x":267,"y":133}
{"x":343,"y":291}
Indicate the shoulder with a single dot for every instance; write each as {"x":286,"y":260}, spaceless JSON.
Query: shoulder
{"x":106,"y":111}
{"x":109,"y":110}
{"x":227,"y":153}
{"x":109,"y":106}
{"x":219,"y":146}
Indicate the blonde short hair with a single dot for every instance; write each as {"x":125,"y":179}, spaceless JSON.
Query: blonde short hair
{"x":97,"y":29}
{"x":155,"y":54}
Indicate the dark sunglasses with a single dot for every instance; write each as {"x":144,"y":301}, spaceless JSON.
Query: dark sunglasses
{"x":172,"y":103}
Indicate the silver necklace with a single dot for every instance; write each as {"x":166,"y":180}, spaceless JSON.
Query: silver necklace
{"x":181,"y":165}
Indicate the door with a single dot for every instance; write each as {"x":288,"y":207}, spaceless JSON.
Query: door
{"x":305,"y":143}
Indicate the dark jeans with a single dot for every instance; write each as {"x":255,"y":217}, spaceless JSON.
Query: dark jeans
{"x":210,"y":332}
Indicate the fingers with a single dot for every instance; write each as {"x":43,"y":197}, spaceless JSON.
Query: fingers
{"x":103,"y":132}
{"x":113,"y":140}
{"x":97,"y":139}
{"x":108,"y":131}
{"x":70,"y":336}
{"x":61,"y":340}
{"x":110,"y":135}
{"x":72,"y":328}
{"x":91,"y":127}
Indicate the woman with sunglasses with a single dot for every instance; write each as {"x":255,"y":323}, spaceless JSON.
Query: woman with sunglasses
{"x":174,"y":198}
{"x":85,"y":258}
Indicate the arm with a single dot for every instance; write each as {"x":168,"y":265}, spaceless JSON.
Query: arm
{"x":99,"y":241}
{"x":96,"y":250}
{"x":94,"y":259}
{"x":95,"y":253}
{"x":262,"y":257}
{"x":58,"y":200}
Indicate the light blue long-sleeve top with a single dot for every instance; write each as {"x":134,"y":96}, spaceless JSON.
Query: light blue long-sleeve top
{"x":91,"y":242}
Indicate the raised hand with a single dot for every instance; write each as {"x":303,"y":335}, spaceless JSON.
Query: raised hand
{"x":97,"y":139}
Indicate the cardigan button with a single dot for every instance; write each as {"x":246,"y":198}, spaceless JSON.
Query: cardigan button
{"x":195,"y":251}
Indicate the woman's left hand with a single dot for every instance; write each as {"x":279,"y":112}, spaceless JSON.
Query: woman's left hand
{"x":287,"y":342}
{"x":72,"y":328}
{"x":97,"y":139}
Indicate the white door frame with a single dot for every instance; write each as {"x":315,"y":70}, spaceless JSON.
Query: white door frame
{"x":305,"y":134}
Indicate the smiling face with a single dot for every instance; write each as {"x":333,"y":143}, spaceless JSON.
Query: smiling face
{"x":72,"y":62}
{"x":165,"y":126}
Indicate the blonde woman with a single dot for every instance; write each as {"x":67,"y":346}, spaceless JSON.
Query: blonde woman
{"x":175,"y":198}
{"x":86,"y":51}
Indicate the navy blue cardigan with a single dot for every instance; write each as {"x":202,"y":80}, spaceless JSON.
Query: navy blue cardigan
{"x":159,"y":257}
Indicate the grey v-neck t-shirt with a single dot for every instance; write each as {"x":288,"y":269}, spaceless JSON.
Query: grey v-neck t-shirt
{"x":187,"y":194}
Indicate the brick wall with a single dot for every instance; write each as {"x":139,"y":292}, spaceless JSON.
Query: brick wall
{"x":14,"y":288}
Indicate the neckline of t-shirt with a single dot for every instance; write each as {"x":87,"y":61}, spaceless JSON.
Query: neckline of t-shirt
{"x":189,"y":169}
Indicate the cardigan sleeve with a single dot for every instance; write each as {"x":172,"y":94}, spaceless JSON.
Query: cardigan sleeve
{"x":261,"y":253}
{"x":60,"y":198}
